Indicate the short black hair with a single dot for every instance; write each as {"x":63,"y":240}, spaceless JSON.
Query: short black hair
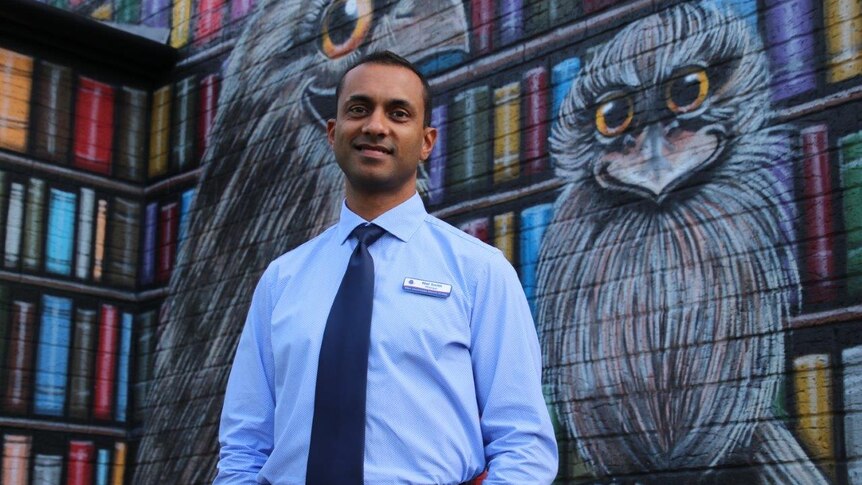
{"x":389,"y":58}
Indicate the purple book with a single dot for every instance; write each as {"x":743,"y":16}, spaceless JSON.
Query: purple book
{"x":789,"y":26}
{"x":239,"y":8}
{"x":148,"y":265}
{"x":785,"y":201}
{"x":157,"y":13}
{"x":437,"y":161}
{"x":511,"y":21}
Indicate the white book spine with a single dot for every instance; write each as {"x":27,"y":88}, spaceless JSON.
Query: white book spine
{"x":14,"y":223}
{"x":85,"y":233}
{"x":851,"y":359}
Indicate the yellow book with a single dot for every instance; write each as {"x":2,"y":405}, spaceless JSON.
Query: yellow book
{"x":813,"y":383}
{"x":99,"y":253}
{"x":160,"y":130}
{"x":16,"y":83}
{"x":504,"y":235}
{"x":119,"y":471}
{"x":507,"y":134}
{"x":843,"y":21}
{"x":182,"y":13}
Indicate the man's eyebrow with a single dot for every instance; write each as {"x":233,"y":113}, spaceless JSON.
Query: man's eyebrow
{"x":392,"y":103}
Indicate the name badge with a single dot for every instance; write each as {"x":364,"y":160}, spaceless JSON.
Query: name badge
{"x":430,"y":288}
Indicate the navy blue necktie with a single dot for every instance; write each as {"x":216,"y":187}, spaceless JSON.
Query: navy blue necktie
{"x":337,"y":450}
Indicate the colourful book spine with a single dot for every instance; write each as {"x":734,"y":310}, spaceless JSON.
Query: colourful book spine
{"x":123,"y":244}
{"x":103,"y":466}
{"x":84,"y":250}
{"x":168,"y":221}
{"x":180,"y":20}
{"x":131,"y":134}
{"x":536,"y":19}
{"x":5,"y":321}
{"x":504,"y":234}
{"x":850,"y":150}
{"x":99,"y":243}
{"x":209,"y":90}
{"x":534,"y":221}
{"x":106,"y":363}
{"x":52,"y":112}
{"x":851,"y":360}
{"x":14,"y":226}
{"x":482,"y":16}
{"x":61,"y":232}
{"x":507,"y":132}
{"x":819,"y":225}
{"x":592,"y":6}
{"x":536,"y":121}
{"x":16,"y":84}
{"x":183,"y":123}
{"x":16,"y":459}
{"x":437,"y":160}
{"x":19,"y":359}
{"x":120,"y":414}
{"x":511,"y":21}
{"x":119,"y":468}
{"x":94,"y":126}
{"x":843,"y":20}
{"x":789,"y":27}
{"x":47,"y":469}
{"x":239,"y":8}
{"x":160,"y":130}
{"x":478,"y":228}
{"x":144,"y":357}
{"x":79,"y":469}
{"x":813,"y":385}
{"x":52,"y":356}
{"x":3,"y":198}
{"x":470,"y":136}
{"x":81,"y":368}
{"x":34,"y":218}
{"x":127,"y":11}
{"x":562,"y":11}
{"x":209,"y":21}
{"x":156,"y":13}
{"x":562,"y":76}
{"x":186,"y":200}
{"x":148,"y":262}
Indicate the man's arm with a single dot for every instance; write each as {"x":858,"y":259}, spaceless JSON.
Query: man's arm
{"x":246,"y":430}
{"x":519,"y":439}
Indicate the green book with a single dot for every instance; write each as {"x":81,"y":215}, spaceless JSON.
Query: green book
{"x":470,"y":141}
{"x":183,"y":121}
{"x":83,"y":358}
{"x":144,"y":358}
{"x":34,"y":215}
{"x":127,"y":11}
{"x":123,"y":237}
{"x":5,"y":310}
{"x":131,"y":162}
{"x":850,"y":148}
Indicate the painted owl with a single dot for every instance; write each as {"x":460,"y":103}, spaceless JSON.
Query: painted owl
{"x":269,"y":183}
{"x":667,"y":276}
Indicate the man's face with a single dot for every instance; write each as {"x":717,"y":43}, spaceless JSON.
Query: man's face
{"x":377,"y":135}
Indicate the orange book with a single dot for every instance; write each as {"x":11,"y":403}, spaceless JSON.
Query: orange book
{"x":16,"y":455}
{"x":507,"y":135}
{"x":160,"y":127}
{"x":843,"y":21}
{"x":119,"y":470}
{"x":504,"y":234}
{"x":16,"y":83}
{"x":99,"y":253}
{"x":813,"y":384}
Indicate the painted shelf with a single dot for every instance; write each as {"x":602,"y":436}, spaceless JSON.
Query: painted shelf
{"x":120,"y":432}
{"x":128,"y":296}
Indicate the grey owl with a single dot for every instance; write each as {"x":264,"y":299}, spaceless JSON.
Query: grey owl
{"x":269,"y":183}
{"x":665,"y":277}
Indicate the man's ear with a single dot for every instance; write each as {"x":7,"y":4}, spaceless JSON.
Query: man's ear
{"x":330,"y":131}
{"x":428,"y":140}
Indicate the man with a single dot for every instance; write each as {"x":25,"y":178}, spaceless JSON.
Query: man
{"x":445,"y":383}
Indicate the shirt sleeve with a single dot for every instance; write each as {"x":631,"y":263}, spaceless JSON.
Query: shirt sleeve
{"x":520,"y":446}
{"x":246,"y":429}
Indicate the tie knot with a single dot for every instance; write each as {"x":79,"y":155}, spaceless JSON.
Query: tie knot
{"x":367,"y":234}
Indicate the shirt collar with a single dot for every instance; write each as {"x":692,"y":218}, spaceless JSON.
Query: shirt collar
{"x":401,"y":221}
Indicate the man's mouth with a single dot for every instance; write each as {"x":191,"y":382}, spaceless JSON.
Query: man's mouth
{"x":367,"y":147}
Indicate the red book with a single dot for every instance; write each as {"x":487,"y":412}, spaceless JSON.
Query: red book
{"x":536,"y":120}
{"x":81,"y":458}
{"x":210,"y":15}
{"x":209,"y":88}
{"x":482,"y":15}
{"x":168,"y":220}
{"x":19,"y":365}
{"x":478,"y":228}
{"x":106,"y":363}
{"x":94,"y":126}
{"x":591,"y":6}
{"x":819,"y":226}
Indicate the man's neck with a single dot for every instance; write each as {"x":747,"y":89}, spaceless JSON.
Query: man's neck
{"x":370,"y":206}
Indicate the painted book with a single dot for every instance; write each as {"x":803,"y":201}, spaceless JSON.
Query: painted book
{"x":19,"y":358}
{"x":812,"y":377}
{"x":80,"y":463}
{"x":180,"y":22}
{"x":148,"y":261}
{"x":123,"y":362}
{"x":504,"y":235}
{"x":186,"y":199}
{"x":4,"y":194}
{"x":819,"y":223}
{"x":94,"y":126}
{"x":84,"y":248}
{"x":131,"y":134}
{"x":118,"y":472}
{"x":240,"y":8}
{"x":16,"y":459}
{"x":507,"y":133}
{"x":5,"y":321}
{"x":437,"y":160}
{"x":562,"y":76}
{"x":99,"y":240}
{"x":789,"y":28}
{"x":160,"y":131}
{"x":562,"y":11}
{"x":209,"y":20}
{"x":535,"y":157}
{"x":207,"y":108}
{"x":61,"y":232}
{"x":511,"y":21}
{"x":167,"y":251}
{"x":52,"y":356}
{"x":124,"y":220}
{"x":47,"y":469}
{"x":482,"y":26}
{"x":106,"y":363}
{"x":83,"y":360}
{"x":843,"y":21}
{"x":14,"y":226}
{"x":156,"y":13}
{"x":533,"y":223}
{"x":469,"y":140}
{"x":127,"y":11}
{"x":851,"y":361}
{"x":145,"y":347}
{"x":536,"y":17}
{"x":478,"y":228}
{"x":850,"y":152}
{"x":52,"y":112}
{"x":593,"y":6}
{"x":103,"y":466}
{"x":16,"y":85}
{"x":34,"y":219}
{"x":183,"y":123}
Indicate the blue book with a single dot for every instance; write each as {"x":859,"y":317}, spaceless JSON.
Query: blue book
{"x":562,"y":76}
{"x":123,"y":367}
{"x":148,"y":264}
{"x":437,"y":160}
{"x":61,"y":232}
{"x":185,"y":206}
{"x":52,"y":355}
{"x":103,"y":466}
{"x":534,"y":221}
{"x":511,"y":21}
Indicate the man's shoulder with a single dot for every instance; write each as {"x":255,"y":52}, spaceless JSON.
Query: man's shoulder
{"x":462,"y":242}
{"x":299,"y":254}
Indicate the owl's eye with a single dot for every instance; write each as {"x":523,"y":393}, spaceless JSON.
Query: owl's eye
{"x":687,"y":93}
{"x":614,"y":116}
{"x":344,"y":25}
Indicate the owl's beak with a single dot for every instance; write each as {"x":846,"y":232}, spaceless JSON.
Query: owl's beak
{"x":659,"y":162}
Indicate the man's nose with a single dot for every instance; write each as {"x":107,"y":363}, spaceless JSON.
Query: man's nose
{"x":376,"y":124}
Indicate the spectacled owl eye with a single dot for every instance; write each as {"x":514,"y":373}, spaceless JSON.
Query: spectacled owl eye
{"x":614,"y":116}
{"x":687,"y":93}
{"x":344,"y":25}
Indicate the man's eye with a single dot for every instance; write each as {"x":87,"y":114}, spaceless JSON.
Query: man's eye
{"x":400,"y":114}
{"x":356,"y":109}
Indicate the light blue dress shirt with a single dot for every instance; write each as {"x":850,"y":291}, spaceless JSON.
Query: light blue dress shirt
{"x":454,"y":383}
